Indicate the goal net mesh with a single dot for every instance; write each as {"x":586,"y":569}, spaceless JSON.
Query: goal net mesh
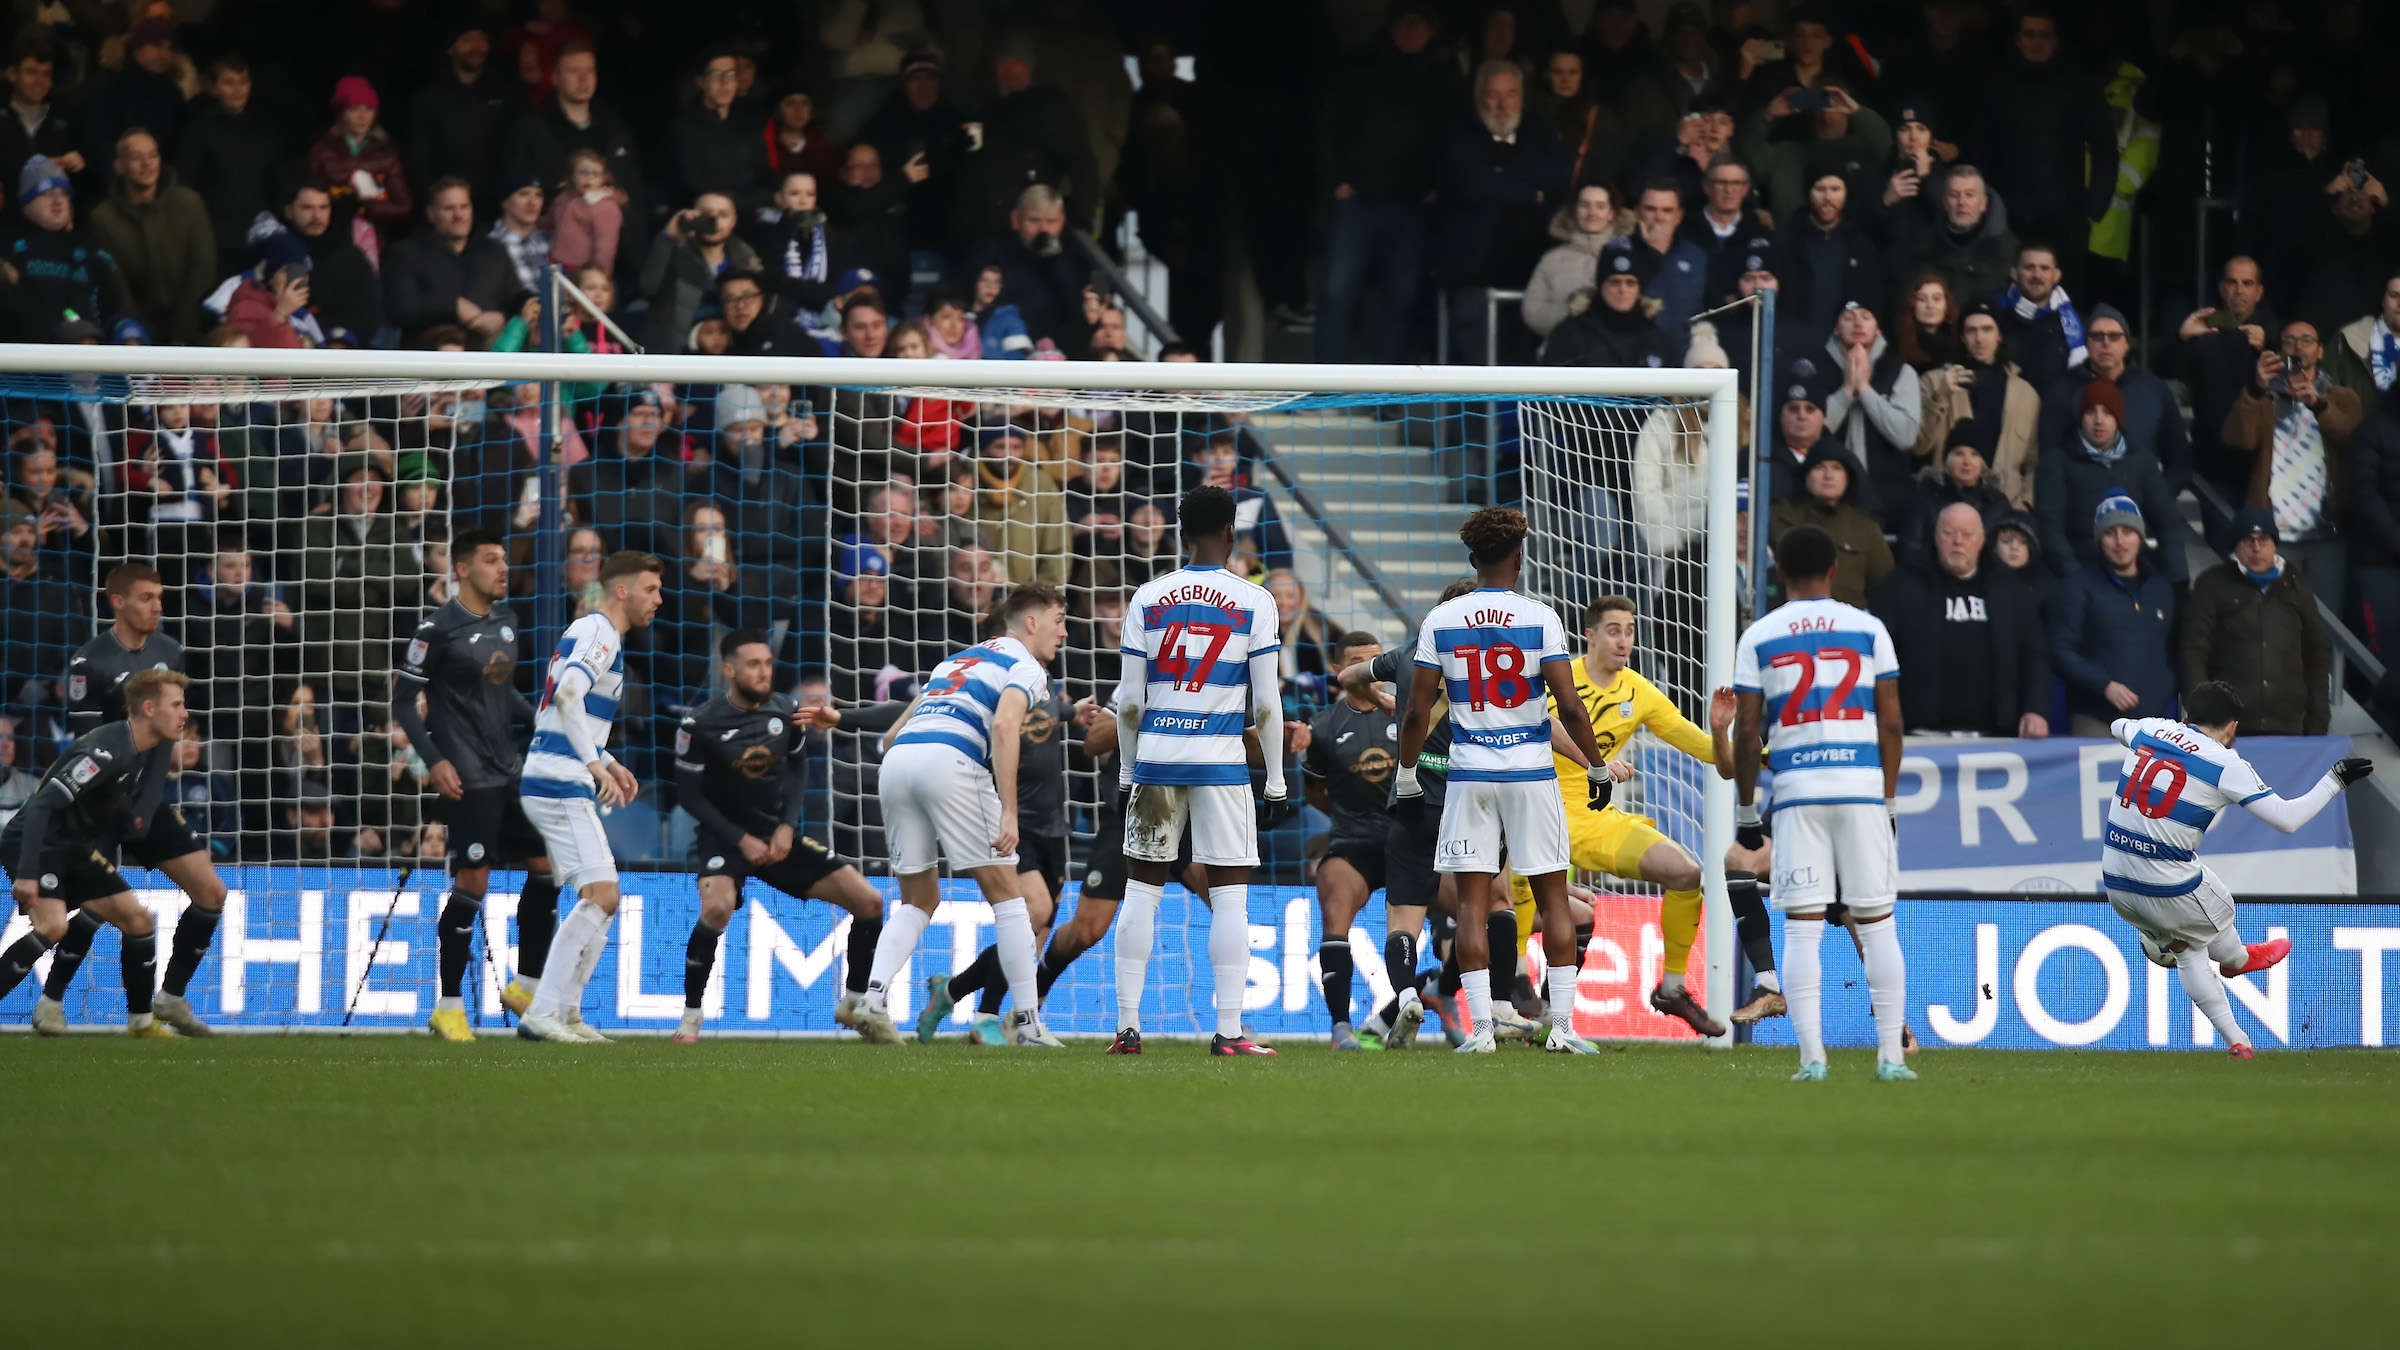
{"x":301,"y":530}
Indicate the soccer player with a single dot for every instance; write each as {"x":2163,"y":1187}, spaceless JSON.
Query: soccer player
{"x":568,"y":775}
{"x":1493,"y":651}
{"x":949,"y":788}
{"x":60,"y":849}
{"x":1824,"y":674}
{"x":739,"y":772}
{"x":1620,"y":703}
{"x":2177,"y":776}
{"x":1199,"y":666}
{"x":96,"y":679}
{"x":1352,"y":750}
{"x":463,"y":660}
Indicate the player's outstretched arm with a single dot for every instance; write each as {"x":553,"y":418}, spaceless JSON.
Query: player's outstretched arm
{"x":2290,"y":813}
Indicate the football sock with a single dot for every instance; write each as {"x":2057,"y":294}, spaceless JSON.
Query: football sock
{"x":456,"y":933}
{"x":1887,"y":985}
{"x":537,"y":925}
{"x":17,"y":962}
{"x":1447,"y":983}
{"x":1583,"y":941}
{"x":1478,"y":984}
{"x":194,"y":931}
{"x":1137,"y":919}
{"x":898,"y":942}
{"x":141,"y":972}
{"x":586,"y":925}
{"x":699,"y":958}
{"x":1500,"y":930}
{"x":1803,"y":983}
{"x":981,"y":973}
{"x":1333,"y":957}
{"x":67,"y":958}
{"x":861,"y":955}
{"x":1400,"y":959}
{"x":1055,"y":960}
{"x":1562,"y":998}
{"x":1229,"y":952}
{"x":2198,"y":971}
{"x":1018,"y":961}
{"x":2226,"y":949}
{"x":1750,"y":922}
{"x":1679,"y":924}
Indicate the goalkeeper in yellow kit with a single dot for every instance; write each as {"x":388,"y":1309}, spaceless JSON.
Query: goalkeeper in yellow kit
{"x":1621,"y":703}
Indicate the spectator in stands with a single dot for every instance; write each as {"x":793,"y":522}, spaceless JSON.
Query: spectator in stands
{"x":2075,"y":478}
{"x":1612,"y":328}
{"x":518,"y":230}
{"x":919,"y":122}
{"x":1969,"y":246}
{"x":1498,"y":178}
{"x":797,"y":246}
{"x":2045,"y":334}
{"x":1925,"y":325}
{"x":1621,"y":59}
{"x":1972,"y":635}
{"x":1374,"y":144}
{"x":17,"y":781}
{"x":685,"y":261}
{"x":1728,"y":210}
{"x":1582,"y":230}
{"x":1260,"y":540}
{"x":2112,"y":626}
{"x":456,"y":121}
{"x":2152,"y":421}
{"x":1909,"y":207}
{"x":761,"y":326}
{"x":2221,"y":347}
{"x":2351,"y":250}
{"x":589,"y":218}
{"x":2017,"y":546}
{"x":157,"y":230}
{"x":1673,"y":269}
{"x":269,"y":303}
{"x":37,"y":125}
{"x":43,"y":617}
{"x":1874,"y":412}
{"x":2253,"y":622}
{"x":797,"y":143}
{"x":1982,"y":394}
{"x":872,"y":632}
{"x":1961,"y":478}
{"x":230,"y":155}
{"x":146,"y":91}
{"x":707,"y":587}
{"x":573,"y":118}
{"x":1307,"y":634}
{"x":2294,"y":422}
{"x":1826,"y":499}
{"x":1703,"y":137}
{"x":710,"y":147}
{"x":2365,"y":354}
{"x":446,"y":274}
{"x":233,"y":627}
{"x":630,"y":490}
{"x":1039,"y":277}
{"x":307,"y":829}
{"x":2049,"y":142}
{"x":343,"y":287}
{"x":1031,"y":135}
{"x":976,"y":582}
{"x":352,"y":582}
{"x":1799,"y":426}
{"x":1832,"y":139}
{"x":1020,"y":508}
{"x":870,"y":209}
{"x":358,"y":162}
{"x":579,"y":572}
{"x":1824,"y":264}
{"x":60,"y":270}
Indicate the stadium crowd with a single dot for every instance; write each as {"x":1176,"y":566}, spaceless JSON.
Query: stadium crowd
{"x":1942,"y":196}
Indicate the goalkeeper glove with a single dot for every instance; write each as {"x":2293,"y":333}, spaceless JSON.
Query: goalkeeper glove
{"x":2349,"y":771}
{"x":1603,"y":788}
{"x":1275,"y":808}
{"x":1749,"y":830}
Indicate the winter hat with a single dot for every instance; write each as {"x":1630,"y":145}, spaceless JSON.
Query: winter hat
{"x":77,"y":329}
{"x":2107,"y":311}
{"x":992,"y":435}
{"x":2252,"y":520}
{"x":2102,"y":394}
{"x":353,"y":91}
{"x":855,"y":278}
{"x":2117,"y":509}
{"x":1014,"y":47}
{"x":281,"y":252}
{"x":130,"y":330}
{"x":916,"y":61}
{"x":739,"y":403}
{"x":150,"y":32}
{"x":1827,"y":452}
{"x":2310,"y":112}
{"x":1705,"y":352}
{"x":41,"y":174}
{"x":1802,"y":384}
{"x":1918,"y":109}
{"x":856,"y":556}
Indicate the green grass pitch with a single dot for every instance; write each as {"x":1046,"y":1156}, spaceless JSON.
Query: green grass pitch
{"x":383,"y":1191}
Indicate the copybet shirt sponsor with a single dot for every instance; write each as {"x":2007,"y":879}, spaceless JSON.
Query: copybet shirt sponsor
{"x":1196,"y":629}
{"x":591,"y":645}
{"x":1817,"y":664}
{"x":963,"y":694}
{"x":1490,"y":646}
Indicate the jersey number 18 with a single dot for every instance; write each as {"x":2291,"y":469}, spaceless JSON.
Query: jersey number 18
{"x":1496,"y":675}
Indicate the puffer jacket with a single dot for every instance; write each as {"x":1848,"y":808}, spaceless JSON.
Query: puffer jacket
{"x":1564,"y":270}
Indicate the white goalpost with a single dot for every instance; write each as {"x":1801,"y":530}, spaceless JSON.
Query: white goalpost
{"x":863,"y":513}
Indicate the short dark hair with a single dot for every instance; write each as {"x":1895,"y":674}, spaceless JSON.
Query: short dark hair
{"x":739,"y":638}
{"x":2036,"y":246}
{"x":1173,"y":349}
{"x":123,"y":577}
{"x":1355,"y":638}
{"x":626,"y":563}
{"x":2213,"y":704}
{"x":1805,"y":554}
{"x":732,"y":275}
{"x":143,"y":685}
{"x":1606,"y":605}
{"x":1205,"y":512}
{"x":465,"y":544}
{"x":865,"y":297}
{"x":1492,"y":534}
{"x":444,"y":183}
{"x":33,"y":47}
{"x":1025,"y":600}
{"x":232,"y":61}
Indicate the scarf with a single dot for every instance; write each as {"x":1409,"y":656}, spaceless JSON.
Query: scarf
{"x":2262,"y":580}
{"x":2109,"y":454}
{"x":2383,"y":354}
{"x":1988,"y":396}
{"x":2069,"y":322}
{"x":806,"y":263}
{"x":2297,"y":479}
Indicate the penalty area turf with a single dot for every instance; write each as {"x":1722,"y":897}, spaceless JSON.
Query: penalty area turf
{"x":310,"y":1190}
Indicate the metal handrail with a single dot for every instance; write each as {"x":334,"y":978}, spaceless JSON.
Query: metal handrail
{"x":1134,"y":300}
{"x":1336,"y":537}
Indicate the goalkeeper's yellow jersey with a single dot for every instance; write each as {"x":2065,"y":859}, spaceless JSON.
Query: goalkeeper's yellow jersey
{"x":1624,"y":706}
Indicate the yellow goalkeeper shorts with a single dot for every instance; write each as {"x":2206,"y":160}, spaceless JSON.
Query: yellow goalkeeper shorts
{"x":1607,"y":840}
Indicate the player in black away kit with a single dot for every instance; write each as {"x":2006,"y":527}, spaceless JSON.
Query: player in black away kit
{"x":738,"y":771}
{"x":96,"y":680}
{"x":1353,"y":747}
{"x":463,"y":662}
{"x":60,"y":850}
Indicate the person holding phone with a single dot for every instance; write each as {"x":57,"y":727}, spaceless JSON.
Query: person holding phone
{"x":686,"y":258}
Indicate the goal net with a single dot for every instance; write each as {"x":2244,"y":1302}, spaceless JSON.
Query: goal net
{"x":866,"y":516}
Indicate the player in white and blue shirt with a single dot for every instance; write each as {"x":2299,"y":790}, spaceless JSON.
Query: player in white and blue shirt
{"x":1199,"y":666}
{"x":1495,"y":654}
{"x":2176,"y":779}
{"x":569,"y":774}
{"x":1819,"y":681}
{"x":949,"y":789}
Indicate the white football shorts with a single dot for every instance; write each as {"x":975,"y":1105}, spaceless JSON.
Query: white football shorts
{"x":2194,"y":919}
{"x":1529,"y":818}
{"x":1828,"y":851}
{"x":937,"y":803}
{"x":1223,"y":820}
{"x":578,"y":846}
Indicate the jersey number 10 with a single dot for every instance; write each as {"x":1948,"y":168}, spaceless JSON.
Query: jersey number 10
{"x":2144,"y":791}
